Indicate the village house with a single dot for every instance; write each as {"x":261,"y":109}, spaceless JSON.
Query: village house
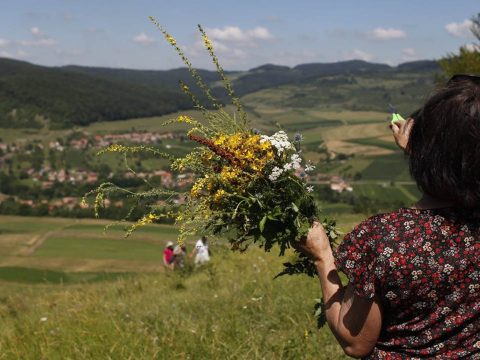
{"x":165,"y":176}
{"x":185,"y":179}
{"x":79,"y":144}
{"x":338,"y":184}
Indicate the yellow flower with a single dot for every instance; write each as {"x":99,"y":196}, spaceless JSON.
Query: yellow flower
{"x":144,"y":220}
{"x":185,"y":119}
{"x":229,"y":175}
{"x":171,"y":39}
{"x":208,"y":42}
{"x":152,"y":216}
{"x":219,"y":195}
{"x":197,"y":187}
{"x":265,"y":146}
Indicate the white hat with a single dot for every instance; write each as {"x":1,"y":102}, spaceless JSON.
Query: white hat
{"x":169,"y":243}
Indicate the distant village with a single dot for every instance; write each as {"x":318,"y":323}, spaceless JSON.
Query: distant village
{"x":46,"y":176}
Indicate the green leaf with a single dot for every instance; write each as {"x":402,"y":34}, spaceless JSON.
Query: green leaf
{"x":262,"y":222}
{"x":294,"y":207}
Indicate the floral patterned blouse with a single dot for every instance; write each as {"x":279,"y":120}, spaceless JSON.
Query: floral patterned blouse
{"x":425,"y":267}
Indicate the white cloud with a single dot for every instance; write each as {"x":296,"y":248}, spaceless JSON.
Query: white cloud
{"x":235,"y":34}
{"x":387,"y":34}
{"x":460,"y":29}
{"x":472,"y":47}
{"x":17,"y":55}
{"x":409,"y":54}
{"x":43,"y":42}
{"x":6,"y":54}
{"x":22,"y":54}
{"x":260,"y":33}
{"x":231,"y":42}
{"x":35,"y":31}
{"x":4,"y":42}
{"x":358,"y":55}
{"x":143,"y":39}
{"x":40,"y":39}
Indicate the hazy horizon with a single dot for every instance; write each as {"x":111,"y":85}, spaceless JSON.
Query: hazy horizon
{"x":203,"y":68}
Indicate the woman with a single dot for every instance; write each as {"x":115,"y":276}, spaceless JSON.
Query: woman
{"x":168,"y":256}
{"x":201,"y":251}
{"x":413,"y":274}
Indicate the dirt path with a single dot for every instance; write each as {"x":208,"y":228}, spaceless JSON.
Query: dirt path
{"x":32,"y":245}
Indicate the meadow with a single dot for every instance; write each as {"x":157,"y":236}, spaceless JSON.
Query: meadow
{"x":70,"y":290}
{"x":74,"y":292}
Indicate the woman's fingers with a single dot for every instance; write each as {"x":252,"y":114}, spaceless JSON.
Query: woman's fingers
{"x":395,"y":128}
{"x":401,"y":132}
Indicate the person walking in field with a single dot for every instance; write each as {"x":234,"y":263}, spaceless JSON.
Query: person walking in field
{"x":179,"y":253}
{"x":201,"y":251}
{"x":168,"y":256}
{"x":414,"y":274}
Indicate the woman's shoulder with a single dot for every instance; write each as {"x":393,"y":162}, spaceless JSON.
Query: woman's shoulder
{"x":402,"y":215}
{"x":380,"y":225}
{"x":387,"y":218}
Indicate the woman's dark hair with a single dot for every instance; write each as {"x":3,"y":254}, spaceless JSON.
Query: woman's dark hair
{"x":444,"y":143}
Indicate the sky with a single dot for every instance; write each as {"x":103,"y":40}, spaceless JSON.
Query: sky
{"x":245,"y":33}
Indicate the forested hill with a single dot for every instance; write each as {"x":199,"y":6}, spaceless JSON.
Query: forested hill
{"x":32,"y":95}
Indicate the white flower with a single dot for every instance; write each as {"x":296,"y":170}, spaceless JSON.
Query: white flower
{"x":43,"y":319}
{"x":309,"y":189}
{"x":287,"y":166}
{"x":276,"y":172}
{"x":279,"y":140}
{"x":309,"y":167}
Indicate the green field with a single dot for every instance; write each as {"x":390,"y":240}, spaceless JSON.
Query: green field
{"x":80,"y":293}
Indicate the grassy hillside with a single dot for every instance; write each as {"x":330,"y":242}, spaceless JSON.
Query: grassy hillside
{"x":117,"y":302}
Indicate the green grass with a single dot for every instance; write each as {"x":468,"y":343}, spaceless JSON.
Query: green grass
{"x":375,"y":142}
{"x":229,"y":309}
{"x":383,"y":192}
{"x":42,"y":276}
{"x":386,"y":167}
{"x":119,"y":230}
{"x":26,"y":225}
{"x":99,"y":248}
{"x":334,"y":210}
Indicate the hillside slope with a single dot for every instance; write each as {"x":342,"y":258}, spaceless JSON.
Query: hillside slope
{"x":30,"y":93}
{"x":33,"y":95}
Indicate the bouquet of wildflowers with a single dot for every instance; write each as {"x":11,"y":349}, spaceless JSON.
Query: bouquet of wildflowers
{"x":250,"y":188}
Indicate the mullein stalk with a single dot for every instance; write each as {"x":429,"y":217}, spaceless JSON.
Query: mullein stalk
{"x":225,"y":80}
{"x":198,"y":79}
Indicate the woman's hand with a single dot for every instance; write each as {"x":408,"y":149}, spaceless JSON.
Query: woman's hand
{"x":315,"y":245}
{"x":401,"y":132}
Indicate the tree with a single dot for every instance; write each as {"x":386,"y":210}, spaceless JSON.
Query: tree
{"x":468,"y":59}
